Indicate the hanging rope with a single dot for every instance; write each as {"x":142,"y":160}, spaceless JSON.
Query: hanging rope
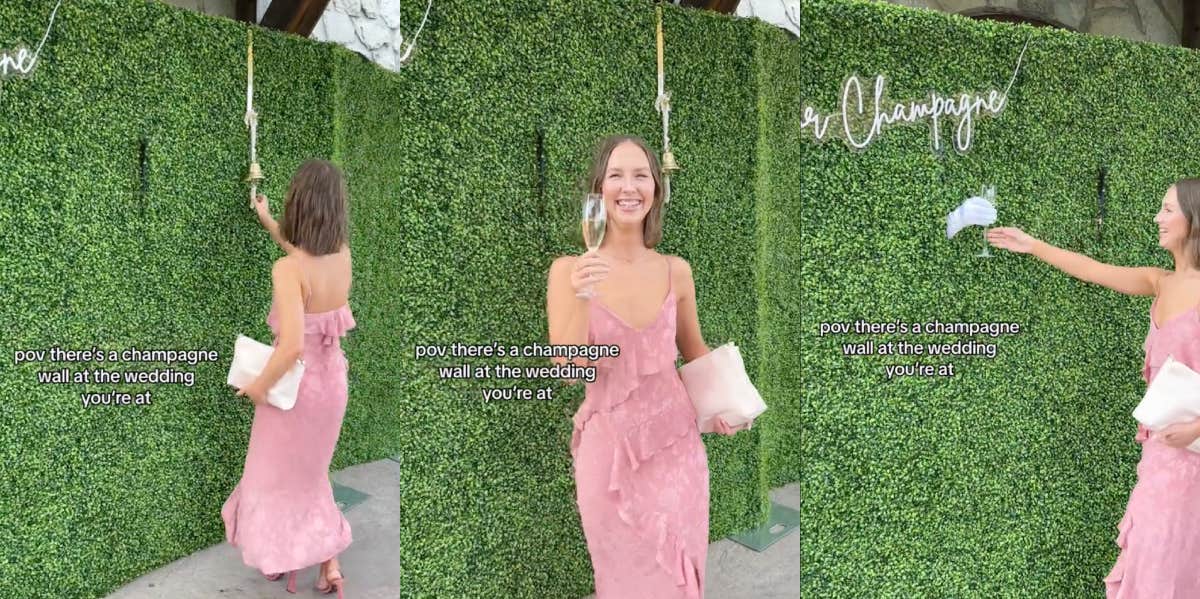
{"x":252,"y":122}
{"x":403,"y":61}
{"x":663,"y":104}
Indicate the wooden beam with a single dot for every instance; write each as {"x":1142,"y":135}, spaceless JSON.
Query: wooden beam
{"x":1191,"y":24}
{"x":294,"y":16}
{"x":244,"y":10}
{"x":721,"y":6}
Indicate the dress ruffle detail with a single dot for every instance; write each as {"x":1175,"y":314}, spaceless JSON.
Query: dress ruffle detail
{"x":633,"y":449}
{"x":1156,"y":534}
{"x":285,"y":531}
{"x":640,"y":467}
{"x":620,"y":377}
{"x":1112,"y":582}
{"x":330,"y":325}
{"x":637,"y":444}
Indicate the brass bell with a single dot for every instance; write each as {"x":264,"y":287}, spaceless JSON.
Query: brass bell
{"x":668,"y":162}
{"x":255,"y":173}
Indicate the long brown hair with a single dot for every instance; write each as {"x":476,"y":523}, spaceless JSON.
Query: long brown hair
{"x":1187,"y":191}
{"x":315,"y":215}
{"x":652,"y":225}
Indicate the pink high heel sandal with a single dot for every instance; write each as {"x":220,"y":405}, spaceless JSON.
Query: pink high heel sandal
{"x":332,"y":582}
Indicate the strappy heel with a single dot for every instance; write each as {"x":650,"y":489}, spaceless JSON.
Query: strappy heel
{"x":273,"y":577}
{"x":332,"y":583}
{"x":291,"y":587}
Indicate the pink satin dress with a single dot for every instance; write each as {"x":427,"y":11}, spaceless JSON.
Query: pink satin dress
{"x":282,"y":515}
{"x":641,"y":471}
{"x":1159,"y":536}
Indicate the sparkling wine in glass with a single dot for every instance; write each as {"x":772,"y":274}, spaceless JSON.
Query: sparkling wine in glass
{"x":595,"y":220}
{"x":989,"y":194}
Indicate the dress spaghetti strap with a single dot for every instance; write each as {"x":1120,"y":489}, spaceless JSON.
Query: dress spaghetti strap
{"x":670,"y":279}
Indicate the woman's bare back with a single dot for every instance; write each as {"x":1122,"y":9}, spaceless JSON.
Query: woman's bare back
{"x":325,"y":280}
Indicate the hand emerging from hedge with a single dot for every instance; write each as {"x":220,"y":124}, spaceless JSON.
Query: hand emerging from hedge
{"x":1011,"y":239}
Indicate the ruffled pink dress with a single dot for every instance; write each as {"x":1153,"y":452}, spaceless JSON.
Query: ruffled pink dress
{"x":1159,"y":536}
{"x":282,"y":514}
{"x":641,"y":472}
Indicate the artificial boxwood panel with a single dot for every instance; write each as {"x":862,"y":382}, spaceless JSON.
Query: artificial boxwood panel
{"x":1008,"y":479}
{"x":777,"y":186}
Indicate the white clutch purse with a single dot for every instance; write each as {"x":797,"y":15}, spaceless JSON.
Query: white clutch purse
{"x":718,"y":385}
{"x":1173,"y":396}
{"x":249,"y":359}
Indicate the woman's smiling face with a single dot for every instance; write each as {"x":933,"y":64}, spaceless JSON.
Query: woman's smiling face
{"x":628,"y":185}
{"x":1172,"y":224}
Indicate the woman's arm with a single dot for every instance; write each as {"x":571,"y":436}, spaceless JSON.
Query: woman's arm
{"x":268,"y":223}
{"x":687,"y":324}
{"x":687,"y":327}
{"x":289,"y":304}
{"x":566,"y":314}
{"x":1123,"y":279}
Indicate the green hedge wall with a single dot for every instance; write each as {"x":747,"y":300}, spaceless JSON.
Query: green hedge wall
{"x":100,"y":248}
{"x":1008,"y":479}
{"x":462,"y":171}
{"x":777,"y":187}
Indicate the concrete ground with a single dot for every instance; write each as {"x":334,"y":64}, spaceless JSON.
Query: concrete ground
{"x":371,"y":565}
{"x":737,"y":572}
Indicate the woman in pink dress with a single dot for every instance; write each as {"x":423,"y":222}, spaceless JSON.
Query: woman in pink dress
{"x":641,"y":472}
{"x":1159,"y":536}
{"x":282,"y":514}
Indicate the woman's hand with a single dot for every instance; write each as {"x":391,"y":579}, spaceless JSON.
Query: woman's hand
{"x":1011,"y":239}
{"x":263,"y":209}
{"x":590,"y":268}
{"x":723,"y":428}
{"x":255,"y":393}
{"x":1178,"y":435}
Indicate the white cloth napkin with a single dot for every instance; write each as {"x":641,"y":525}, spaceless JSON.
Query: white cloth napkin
{"x":974,"y":210}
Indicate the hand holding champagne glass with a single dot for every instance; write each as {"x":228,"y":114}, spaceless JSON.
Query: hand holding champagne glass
{"x":590,"y":268}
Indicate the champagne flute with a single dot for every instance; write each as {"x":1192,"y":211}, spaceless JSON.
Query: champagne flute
{"x":595,"y":220}
{"x":989,"y":194}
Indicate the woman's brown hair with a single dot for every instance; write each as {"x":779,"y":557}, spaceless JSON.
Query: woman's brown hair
{"x":1187,"y":191}
{"x":315,"y":215}
{"x":652,"y":226}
